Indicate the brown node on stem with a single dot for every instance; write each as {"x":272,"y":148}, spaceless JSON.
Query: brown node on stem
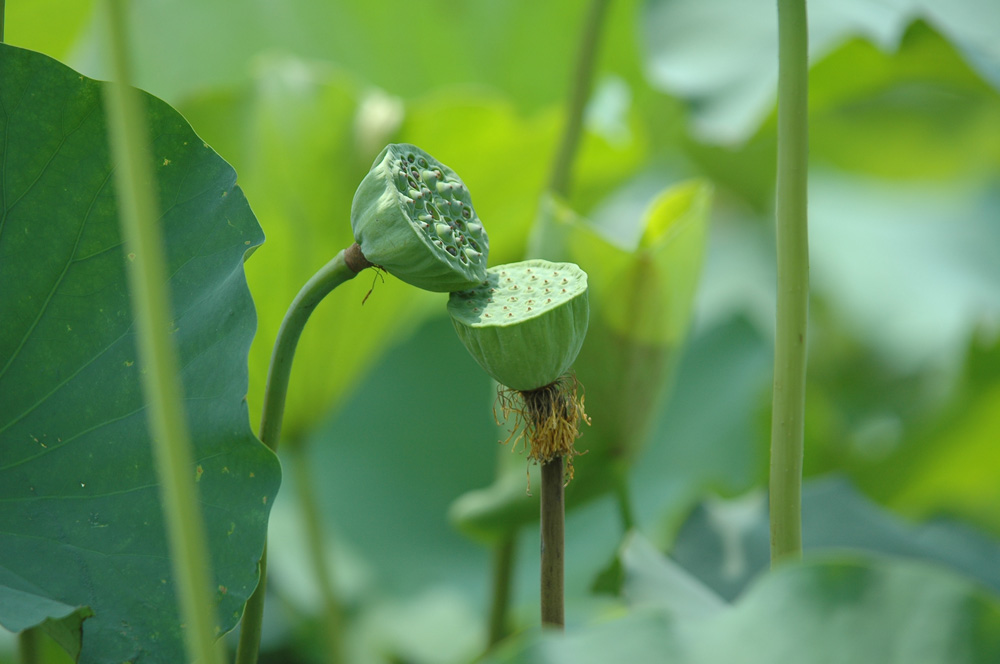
{"x":547,"y":420}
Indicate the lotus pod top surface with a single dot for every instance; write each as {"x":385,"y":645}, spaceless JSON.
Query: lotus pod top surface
{"x":526,"y":322}
{"x":413,"y":216}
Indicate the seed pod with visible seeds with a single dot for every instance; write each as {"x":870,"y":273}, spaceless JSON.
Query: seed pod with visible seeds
{"x":525,"y":323}
{"x":405,"y":221}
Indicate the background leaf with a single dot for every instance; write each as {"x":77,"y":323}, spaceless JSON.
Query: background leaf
{"x":816,"y":611}
{"x":81,"y":522}
{"x":725,"y":543}
{"x":733,"y":89}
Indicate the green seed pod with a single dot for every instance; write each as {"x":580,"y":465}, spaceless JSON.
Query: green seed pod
{"x":525,"y":323}
{"x":406,"y":222}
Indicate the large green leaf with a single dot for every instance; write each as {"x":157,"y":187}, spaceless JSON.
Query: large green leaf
{"x":80,"y":515}
{"x":818,"y":611}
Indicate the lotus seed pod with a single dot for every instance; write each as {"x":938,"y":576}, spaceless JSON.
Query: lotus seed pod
{"x":525,"y":323}
{"x":406,"y":223}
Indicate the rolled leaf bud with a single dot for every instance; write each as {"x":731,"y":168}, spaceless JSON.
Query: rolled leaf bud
{"x":525,"y":323}
{"x":406,"y":222}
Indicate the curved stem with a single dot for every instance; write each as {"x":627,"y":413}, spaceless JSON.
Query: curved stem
{"x":503,"y":566}
{"x":344,"y":267}
{"x":788,"y":414}
{"x":315,"y":543}
{"x":553,"y":511}
{"x":149,"y":295}
{"x":559,"y":179}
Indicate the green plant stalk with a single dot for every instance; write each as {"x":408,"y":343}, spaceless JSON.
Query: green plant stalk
{"x":559,"y":183}
{"x":503,"y":565}
{"x":343,"y":267}
{"x":29,"y":645}
{"x":559,"y":179}
{"x":788,"y":413}
{"x":315,"y":544}
{"x":150,"y":301}
{"x":553,"y":510}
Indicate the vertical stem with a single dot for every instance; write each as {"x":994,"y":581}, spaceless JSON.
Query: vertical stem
{"x":148,"y":289}
{"x":29,"y":643}
{"x":503,"y":565}
{"x":553,"y":543}
{"x":787,"y":419}
{"x":316,"y":545}
{"x":559,"y":179}
{"x":343,"y":267}
{"x":2,"y":13}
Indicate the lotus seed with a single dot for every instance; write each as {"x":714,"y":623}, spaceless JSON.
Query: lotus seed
{"x":451,"y":250}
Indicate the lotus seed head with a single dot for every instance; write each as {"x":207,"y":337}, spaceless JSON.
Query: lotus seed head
{"x":523,"y":343}
{"x":406,"y":217}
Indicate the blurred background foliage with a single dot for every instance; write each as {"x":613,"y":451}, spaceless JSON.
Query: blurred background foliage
{"x":390,"y":417}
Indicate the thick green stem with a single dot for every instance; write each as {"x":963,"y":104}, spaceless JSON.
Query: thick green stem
{"x":503,"y":567}
{"x":316,"y":546}
{"x":553,"y":514}
{"x":788,"y":414}
{"x":559,"y":179}
{"x":161,"y":382}
{"x":29,"y":646}
{"x":344,"y":266}
{"x":2,"y":13}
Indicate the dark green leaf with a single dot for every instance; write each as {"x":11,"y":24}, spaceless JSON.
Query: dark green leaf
{"x":80,"y":522}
